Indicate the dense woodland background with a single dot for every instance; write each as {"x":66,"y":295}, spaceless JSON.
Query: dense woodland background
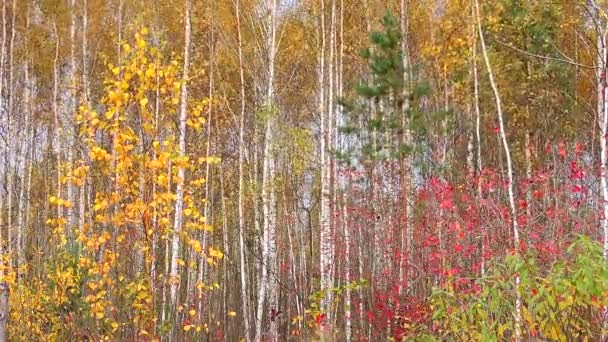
{"x":337,"y":170}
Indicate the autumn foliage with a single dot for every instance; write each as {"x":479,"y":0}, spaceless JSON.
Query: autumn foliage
{"x":264,"y":170}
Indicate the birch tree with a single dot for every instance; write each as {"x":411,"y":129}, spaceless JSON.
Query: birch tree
{"x":326,"y":115}
{"x":181,"y":174}
{"x":510,"y":185}
{"x":241,"y":209}
{"x":268,"y":287}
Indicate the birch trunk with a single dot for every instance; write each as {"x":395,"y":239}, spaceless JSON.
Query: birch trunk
{"x":86,"y":97}
{"x":602,"y":110}
{"x":268,"y":291}
{"x":22,"y":173}
{"x":202,"y":261}
{"x":9,"y":150}
{"x":69,"y":111}
{"x":85,"y":52}
{"x":4,"y":290}
{"x":241,"y":209}
{"x":179,"y":202}
{"x":479,"y":165}
{"x":510,"y":185}
{"x":3,"y":55}
{"x":347,"y":265}
{"x":406,"y":167}
{"x":28,"y":191}
{"x":325,"y":244}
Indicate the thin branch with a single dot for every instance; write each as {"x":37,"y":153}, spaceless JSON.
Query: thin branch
{"x":531,"y":54}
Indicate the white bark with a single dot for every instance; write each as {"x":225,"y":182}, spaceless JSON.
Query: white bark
{"x":28,"y":201}
{"x":85,"y":52}
{"x":407,"y":160}
{"x":57,"y":122}
{"x":602,"y":112}
{"x":241,"y":208}
{"x":9,"y":150}
{"x":179,"y":203}
{"x":22,"y":173}
{"x":347,"y":265}
{"x":202,"y":261}
{"x":602,"y":119}
{"x":69,"y":112}
{"x":3,"y":56}
{"x":479,"y":165}
{"x":510,"y":185}
{"x":268,"y":290}
{"x":325,"y":244}
{"x":121,"y":6}
{"x":4,"y":290}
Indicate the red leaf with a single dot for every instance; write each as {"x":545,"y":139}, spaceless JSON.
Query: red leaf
{"x":320,"y":319}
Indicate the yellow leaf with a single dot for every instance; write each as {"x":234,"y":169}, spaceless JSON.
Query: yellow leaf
{"x":196,"y":245}
{"x":187,"y":327}
{"x":155,"y":164}
{"x":215,"y":253}
{"x":109,"y":115}
{"x":192,"y":312}
{"x":231,"y":313}
{"x":188,"y":212}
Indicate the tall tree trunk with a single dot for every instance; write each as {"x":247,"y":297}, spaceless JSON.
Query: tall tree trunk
{"x":3,"y":54}
{"x":121,"y":7}
{"x":22,"y":171}
{"x":207,"y":207}
{"x":9,"y":149}
{"x":85,"y":52}
{"x":86,"y":97}
{"x":268,"y":284}
{"x":179,"y":202}
{"x":479,"y":165}
{"x":602,"y":110}
{"x":241,"y":206}
{"x":4,"y":290}
{"x":510,"y":185}
{"x":69,"y":125}
{"x":325,"y":244}
{"x":406,"y":167}
{"x":602,"y":103}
